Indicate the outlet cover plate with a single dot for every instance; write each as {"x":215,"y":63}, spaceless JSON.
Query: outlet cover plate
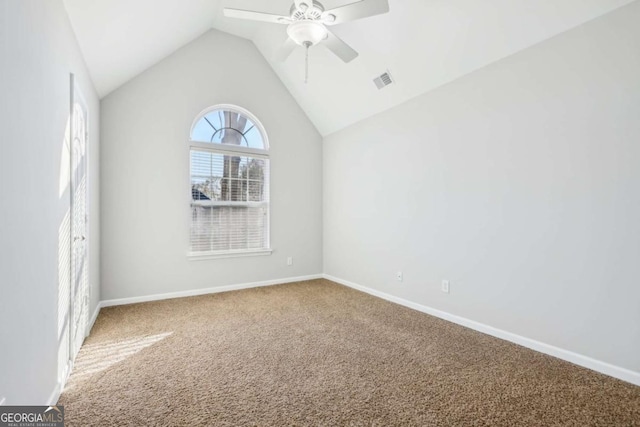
{"x":445,"y":286}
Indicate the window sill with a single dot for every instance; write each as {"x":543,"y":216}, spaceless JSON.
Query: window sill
{"x":203,"y":256}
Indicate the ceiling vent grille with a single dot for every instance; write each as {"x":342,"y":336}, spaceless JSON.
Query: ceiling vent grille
{"x":383,"y":81}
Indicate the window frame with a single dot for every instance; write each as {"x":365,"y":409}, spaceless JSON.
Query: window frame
{"x":218,"y":148}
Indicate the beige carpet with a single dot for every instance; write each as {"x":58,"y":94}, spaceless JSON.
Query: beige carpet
{"x":317,"y":353}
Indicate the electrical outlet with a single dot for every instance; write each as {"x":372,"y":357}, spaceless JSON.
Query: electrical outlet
{"x":445,"y":286}
{"x":399,"y":276}
{"x":290,"y":261}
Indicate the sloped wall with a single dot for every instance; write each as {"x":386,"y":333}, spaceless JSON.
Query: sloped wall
{"x":145,"y":172}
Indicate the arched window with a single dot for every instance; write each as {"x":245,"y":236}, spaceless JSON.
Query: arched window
{"x":229,"y":153}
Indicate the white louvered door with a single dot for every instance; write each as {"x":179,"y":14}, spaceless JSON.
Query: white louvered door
{"x":79,"y":219}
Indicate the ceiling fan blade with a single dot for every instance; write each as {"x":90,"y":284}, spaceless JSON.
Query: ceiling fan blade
{"x":298,"y":3}
{"x":256,"y":16}
{"x":340,"y":48}
{"x":358,"y":10}
{"x":285,"y":50}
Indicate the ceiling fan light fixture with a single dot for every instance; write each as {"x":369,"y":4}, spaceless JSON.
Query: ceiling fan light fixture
{"x":307,"y":32}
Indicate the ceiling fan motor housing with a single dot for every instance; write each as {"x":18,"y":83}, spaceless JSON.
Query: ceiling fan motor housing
{"x":307,"y":32}
{"x":307,"y":10}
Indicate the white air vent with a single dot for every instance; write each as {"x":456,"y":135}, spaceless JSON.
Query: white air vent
{"x":383,"y":80}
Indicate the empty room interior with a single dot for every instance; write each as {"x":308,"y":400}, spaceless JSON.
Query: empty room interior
{"x":331,"y":212}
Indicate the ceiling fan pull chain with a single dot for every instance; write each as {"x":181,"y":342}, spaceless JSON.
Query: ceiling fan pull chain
{"x":306,"y":63}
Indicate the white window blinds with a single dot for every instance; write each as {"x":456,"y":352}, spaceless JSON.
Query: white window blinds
{"x":230,"y":202}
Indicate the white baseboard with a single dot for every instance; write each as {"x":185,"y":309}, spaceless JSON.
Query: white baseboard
{"x":55,"y":395}
{"x":65,"y":375}
{"x":93,"y":318}
{"x":196,"y":292}
{"x":569,"y":356}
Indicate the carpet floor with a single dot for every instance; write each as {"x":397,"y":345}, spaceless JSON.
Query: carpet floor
{"x":320,"y":354}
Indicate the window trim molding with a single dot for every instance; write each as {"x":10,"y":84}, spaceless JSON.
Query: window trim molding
{"x":221,"y":149}
{"x":204,"y":256}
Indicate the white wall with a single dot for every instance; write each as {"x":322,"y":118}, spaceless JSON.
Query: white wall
{"x":38,"y":51}
{"x":145,"y":172}
{"x":520,"y":183}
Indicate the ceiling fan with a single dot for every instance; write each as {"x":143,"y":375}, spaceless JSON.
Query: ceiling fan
{"x":308,"y":21}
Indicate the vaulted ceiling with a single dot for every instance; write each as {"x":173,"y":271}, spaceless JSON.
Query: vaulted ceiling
{"x":423,"y":43}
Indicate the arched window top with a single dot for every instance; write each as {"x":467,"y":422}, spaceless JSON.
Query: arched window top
{"x":229,"y":125}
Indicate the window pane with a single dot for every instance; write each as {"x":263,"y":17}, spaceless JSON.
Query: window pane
{"x":230,"y":188}
{"x":229,"y":128}
{"x":221,"y":177}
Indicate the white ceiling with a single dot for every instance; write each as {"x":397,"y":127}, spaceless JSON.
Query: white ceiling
{"x":423,"y":43}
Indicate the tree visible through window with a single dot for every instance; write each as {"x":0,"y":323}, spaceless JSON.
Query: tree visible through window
{"x":229,"y":183}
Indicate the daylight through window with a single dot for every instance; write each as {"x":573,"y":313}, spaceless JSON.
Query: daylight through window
{"x":229,"y":183}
